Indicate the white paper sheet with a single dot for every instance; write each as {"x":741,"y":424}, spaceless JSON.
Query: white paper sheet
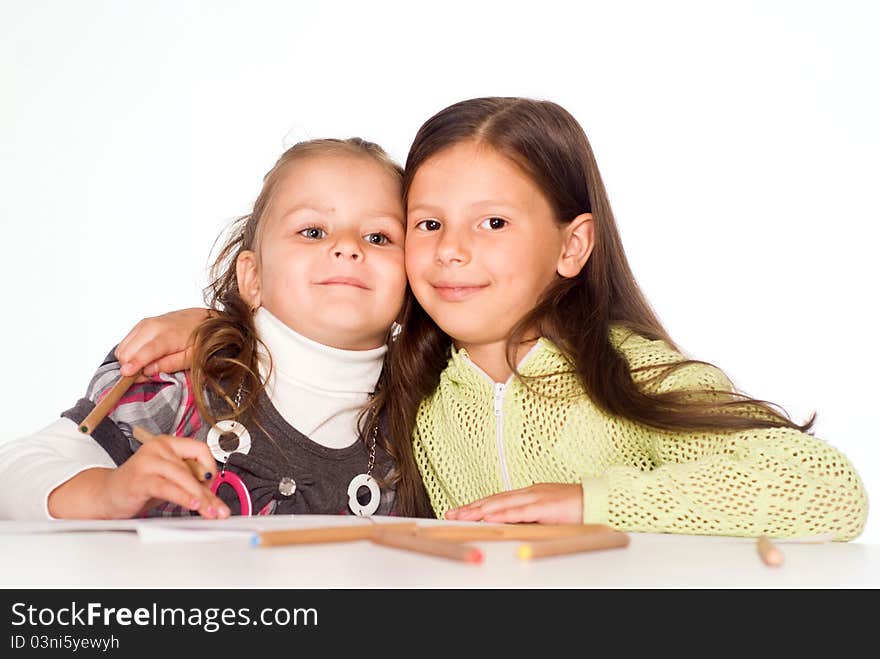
{"x":189,"y":529}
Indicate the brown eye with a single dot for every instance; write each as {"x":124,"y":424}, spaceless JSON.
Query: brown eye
{"x":428,"y":225}
{"x":494,"y":223}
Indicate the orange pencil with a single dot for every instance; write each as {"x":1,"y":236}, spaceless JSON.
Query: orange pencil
{"x":770,"y":553}
{"x":610,"y":539}
{"x":106,"y":404}
{"x":144,"y":436}
{"x":283,"y":537}
{"x":482,"y":532}
{"x":421,"y":545}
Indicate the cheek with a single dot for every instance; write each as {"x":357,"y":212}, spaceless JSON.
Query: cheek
{"x":509,"y":266}
{"x":419,"y":246}
{"x":414,"y":259}
{"x":539,"y":255}
{"x":520,"y":272}
{"x":283,"y":272}
{"x":395,"y":275}
{"x":391,"y":273}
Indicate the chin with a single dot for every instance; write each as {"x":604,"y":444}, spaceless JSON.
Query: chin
{"x":355,"y":332}
{"x":466,"y":334}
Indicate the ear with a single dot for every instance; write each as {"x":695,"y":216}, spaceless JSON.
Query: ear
{"x":247,"y":273}
{"x":577,"y":245}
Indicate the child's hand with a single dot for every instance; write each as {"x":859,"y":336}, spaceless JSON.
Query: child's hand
{"x":161,"y":343}
{"x":546,"y":503}
{"x":157,"y":472}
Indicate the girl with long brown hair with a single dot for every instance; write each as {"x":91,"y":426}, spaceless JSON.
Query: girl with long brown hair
{"x":541,"y":385}
{"x":282,"y":406}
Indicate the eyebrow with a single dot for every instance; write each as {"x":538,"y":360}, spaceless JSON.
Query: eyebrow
{"x":317,"y":208}
{"x":324,"y":210}
{"x":288,"y":213}
{"x":496,"y":203}
{"x":385,"y":215}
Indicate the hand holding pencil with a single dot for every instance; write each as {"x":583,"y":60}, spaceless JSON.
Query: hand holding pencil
{"x":201,"y":473}
{"x":163,"y":469}
{"x":157,"y":472}
{"x":166,"y":468}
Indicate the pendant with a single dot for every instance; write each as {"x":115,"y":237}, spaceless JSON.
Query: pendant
{"x":370,"y":507}
{"x":226,"y":477}
{"x":224,"y":428}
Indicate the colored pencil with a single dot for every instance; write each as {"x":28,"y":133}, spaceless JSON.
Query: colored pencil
{"x":198,"y":470}
{"x":430,"y":546}
{"x":481,"y":532}
{"x":770,"y":553}
{"x":319,"y":535}
{"x":106,"y":404}
{"x":610,"y":539}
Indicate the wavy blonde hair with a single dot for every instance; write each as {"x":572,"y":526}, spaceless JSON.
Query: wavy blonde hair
{"x":225,"y":354}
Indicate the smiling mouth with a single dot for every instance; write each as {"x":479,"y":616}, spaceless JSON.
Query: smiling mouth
{"x":453,"y":293}
{"x":344,"y":281}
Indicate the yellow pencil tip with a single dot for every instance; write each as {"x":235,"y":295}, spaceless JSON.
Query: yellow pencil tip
{"x":524,"y":552}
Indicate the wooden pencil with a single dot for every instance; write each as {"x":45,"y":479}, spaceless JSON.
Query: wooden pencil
{"x":106,"y":404}
{"x":610,"y":539}
{"x":430,"y":546}
{"x":481,"y":532}
{"x":198,"y":470}
{"x":319,"y":535}
{"x":770,"y":553}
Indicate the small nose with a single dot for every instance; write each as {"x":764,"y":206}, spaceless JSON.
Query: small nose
{"x":348,"y":248}
{"x":451,"y":249}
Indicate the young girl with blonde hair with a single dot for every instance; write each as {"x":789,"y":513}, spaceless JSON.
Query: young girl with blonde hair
{"x":283,"y":406}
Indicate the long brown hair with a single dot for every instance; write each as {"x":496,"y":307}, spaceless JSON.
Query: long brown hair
{"x":225,"y":345}
{"x":576,"y":313}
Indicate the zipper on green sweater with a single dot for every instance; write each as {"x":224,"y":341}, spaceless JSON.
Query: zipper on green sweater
{"x":499,"y":431}
{"x":498,"y":391}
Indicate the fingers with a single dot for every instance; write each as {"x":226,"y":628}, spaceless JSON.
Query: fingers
{"x":154,"y":339}
{"x":496,"y":503}
{"x":142,"y":351}
{"x":161,"y":489}
{"x":165,"y":490}
{"x":516,"y":514}
{"x":192,"y":449}
{"x":125,"y":344}
{"x":540,"y":513}
{"x":184,"y":448}
{"x":178,"y":361}
{"x":547,"y":503}
{"x":163,"y":458}
{"x":144,"y":331}
{"x":170,"y":467}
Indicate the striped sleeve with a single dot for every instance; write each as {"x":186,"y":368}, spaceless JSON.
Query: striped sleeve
{"x":163,"y":405}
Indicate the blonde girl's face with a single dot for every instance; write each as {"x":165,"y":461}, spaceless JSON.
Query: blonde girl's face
{"x":329,"y":258}
{"x":482,"y":242}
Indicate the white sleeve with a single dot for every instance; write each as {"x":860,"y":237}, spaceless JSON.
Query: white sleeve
{"x":31,"y":467}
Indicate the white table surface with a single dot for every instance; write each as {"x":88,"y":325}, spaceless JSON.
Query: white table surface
{"x":34,"y":558}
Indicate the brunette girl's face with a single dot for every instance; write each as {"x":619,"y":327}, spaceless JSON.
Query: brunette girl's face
{"x":482,"y":242}
{"x":329,"y":258}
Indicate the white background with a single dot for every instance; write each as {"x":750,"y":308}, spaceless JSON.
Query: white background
{"x":739,"y":143}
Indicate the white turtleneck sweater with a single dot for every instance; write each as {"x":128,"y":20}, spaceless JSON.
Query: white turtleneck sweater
{"x":318,"y":389}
